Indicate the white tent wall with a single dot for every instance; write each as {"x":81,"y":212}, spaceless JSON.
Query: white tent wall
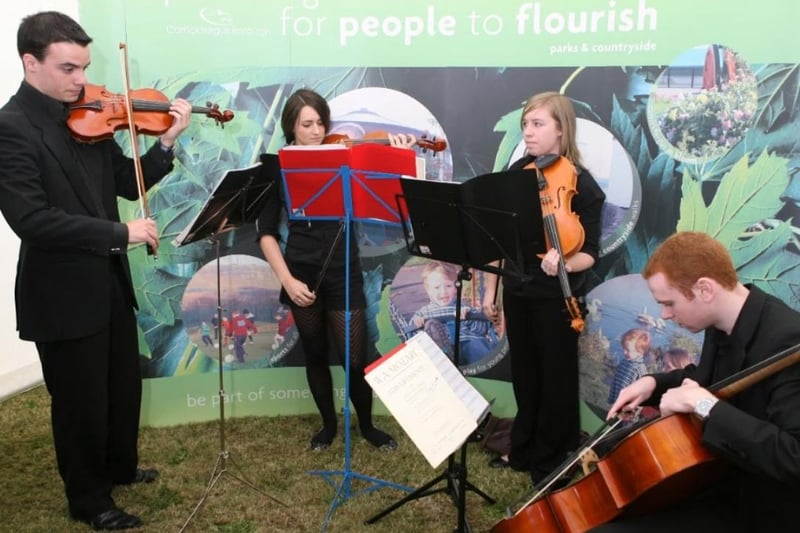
{"x":19,"y":363}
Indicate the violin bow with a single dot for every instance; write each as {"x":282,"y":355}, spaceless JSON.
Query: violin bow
{"x":561,"y":471}
{"x":134,"y":143}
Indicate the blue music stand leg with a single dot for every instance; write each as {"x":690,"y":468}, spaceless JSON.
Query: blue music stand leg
{"x":343,"y":489}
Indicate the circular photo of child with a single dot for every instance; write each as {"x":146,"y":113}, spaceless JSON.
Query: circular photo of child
{"x":423,"y":298}
{"x":626,"y":338}
{"x":251,"y":328}
{"x":703,"y":103}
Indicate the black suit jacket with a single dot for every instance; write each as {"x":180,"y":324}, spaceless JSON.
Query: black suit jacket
{"x":757,"y":430}
{"x":60,"y":197}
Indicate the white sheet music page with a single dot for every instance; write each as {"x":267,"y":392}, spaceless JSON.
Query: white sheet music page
{"x":428,"y":396}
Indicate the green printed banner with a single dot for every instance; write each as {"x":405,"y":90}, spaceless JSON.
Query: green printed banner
{"x":181,"y":35}
{"x":681,"y":108}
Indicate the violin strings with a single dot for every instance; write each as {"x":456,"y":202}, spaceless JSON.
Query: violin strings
{"x":151,"y":105}
{"x":552,"y":233}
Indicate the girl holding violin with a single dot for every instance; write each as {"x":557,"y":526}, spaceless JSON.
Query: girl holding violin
{"x":74,"y":295}
{"x":543,"y":341}
{"x":312,"y":276}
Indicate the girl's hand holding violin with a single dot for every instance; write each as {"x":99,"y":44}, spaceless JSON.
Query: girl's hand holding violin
{"x":402,"y":140}
{"x":550,"y":263}
{"x":181,"y":112}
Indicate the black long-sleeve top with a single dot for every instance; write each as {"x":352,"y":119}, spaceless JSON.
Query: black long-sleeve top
{"x":308,"y":242}
{"x":587,"y":204}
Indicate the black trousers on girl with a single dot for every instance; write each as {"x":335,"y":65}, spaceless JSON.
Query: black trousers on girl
{"x":544,"y":374}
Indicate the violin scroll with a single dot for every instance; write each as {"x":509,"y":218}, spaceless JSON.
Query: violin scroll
{"x":576,"y":317}
{"x":220,"y":117}
{"x":432,"y":144}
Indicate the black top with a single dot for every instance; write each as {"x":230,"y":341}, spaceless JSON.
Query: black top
{"x":587,"y":204}
{"x":308,"y":242}
{"x":60,"y":197}
{"x":757,"y":431}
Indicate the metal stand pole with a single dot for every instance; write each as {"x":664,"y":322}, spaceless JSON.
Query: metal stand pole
{"x":223,"y":457}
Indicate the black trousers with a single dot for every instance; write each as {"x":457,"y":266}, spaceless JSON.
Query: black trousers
{"x":96,"y":388}
{"x":706,"y":512}
{"x":544,"y":375}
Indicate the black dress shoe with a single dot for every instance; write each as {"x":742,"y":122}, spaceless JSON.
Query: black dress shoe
{"x":499,"y":462}
{"x":111,"y":520}
{"x":145,"y":475}
{"x":319,"y":445}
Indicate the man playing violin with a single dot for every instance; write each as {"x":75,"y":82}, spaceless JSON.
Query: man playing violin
{"x":74,"y":296}
{"x":757,"y":431}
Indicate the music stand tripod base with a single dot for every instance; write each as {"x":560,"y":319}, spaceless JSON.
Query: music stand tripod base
{"x":235,"y":204}
{"x":455,"y":475}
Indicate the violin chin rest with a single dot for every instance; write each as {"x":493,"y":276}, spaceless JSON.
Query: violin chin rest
{"x":545,"y":160}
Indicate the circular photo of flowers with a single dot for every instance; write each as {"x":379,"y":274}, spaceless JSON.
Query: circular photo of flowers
{"x":702,"y":104}
{"x":248,"y":327}
{"x":423,"y":298}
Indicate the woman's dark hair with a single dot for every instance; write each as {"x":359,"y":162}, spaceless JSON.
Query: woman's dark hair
{"x":296,"y":102}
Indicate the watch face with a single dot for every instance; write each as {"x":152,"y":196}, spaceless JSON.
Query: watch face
{"x":703,"y":407}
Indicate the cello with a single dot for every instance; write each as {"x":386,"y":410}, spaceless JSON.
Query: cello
{"x":658,"y":464}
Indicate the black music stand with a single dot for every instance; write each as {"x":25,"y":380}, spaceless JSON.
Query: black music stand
{"x":488,"y":218}
{"x":237,"y":199}
{"x":332,"y":182}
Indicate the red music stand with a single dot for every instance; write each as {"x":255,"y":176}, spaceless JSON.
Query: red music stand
{"x":334,"y":182}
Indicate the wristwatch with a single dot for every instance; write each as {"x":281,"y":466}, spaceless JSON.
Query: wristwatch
{"x":703,"y":407}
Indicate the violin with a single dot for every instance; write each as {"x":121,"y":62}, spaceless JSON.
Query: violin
{"x":99,"y":113}
{"x":659,"y":463}
{"x":381,"y":137}
{"x":557,"y":180}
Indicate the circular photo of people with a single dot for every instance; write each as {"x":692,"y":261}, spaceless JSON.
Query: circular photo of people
{"x":253,"y":329}
{"x":423,"y":298}
{"x":626,"y":338}
{"x":702,"y":104}
{"x":614,"y":170}
{"x":373,"y":112}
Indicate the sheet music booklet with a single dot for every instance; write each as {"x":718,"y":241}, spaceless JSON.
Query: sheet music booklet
{"x":314,"y":188}
{"x":428,"y":396}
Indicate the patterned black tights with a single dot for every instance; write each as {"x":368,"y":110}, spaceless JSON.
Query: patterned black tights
{"x":313,"y":325}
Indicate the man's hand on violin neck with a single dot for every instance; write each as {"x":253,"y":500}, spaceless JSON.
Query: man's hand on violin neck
{"x":143,"y":230}
{"x":181,"y":111}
